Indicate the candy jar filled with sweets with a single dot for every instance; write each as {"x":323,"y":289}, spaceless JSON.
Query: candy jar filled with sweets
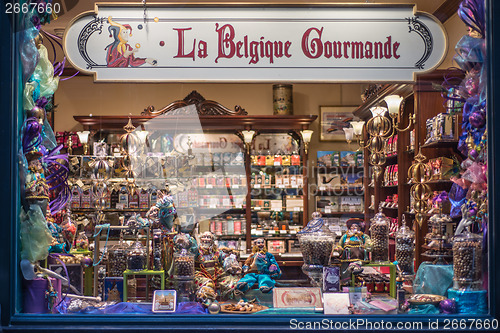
{"x":379,"y":233}
{"x":82,"y":242}
{"x":405,"y":249}
{"x":117,"y":259}
{"x":136,"y":257}
{"x":467,"y":261}
{"x":184,"y":275}
{"x":316,"y":244}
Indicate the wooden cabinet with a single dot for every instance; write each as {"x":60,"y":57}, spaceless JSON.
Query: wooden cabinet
{"x":189,"y":124}
{"x":424,"y":101}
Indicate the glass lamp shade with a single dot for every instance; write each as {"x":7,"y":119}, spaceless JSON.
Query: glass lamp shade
{"x":248,"y":136}
{"x":393,"y":103}
{"x":306,"y":135}
{"x":349,"y":133}
{"x":378,"y":111}
{"x":83,"y":136}
{"x":357,"y":126}
{"x":142,"y":135}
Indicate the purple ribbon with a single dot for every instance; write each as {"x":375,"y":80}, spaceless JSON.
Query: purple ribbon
{"x":441,"y":197}
{"x":32,"y":135}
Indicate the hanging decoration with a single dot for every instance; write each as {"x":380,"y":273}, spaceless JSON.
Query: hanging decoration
{"x":469,"y":193}
{"x":44,"y":169}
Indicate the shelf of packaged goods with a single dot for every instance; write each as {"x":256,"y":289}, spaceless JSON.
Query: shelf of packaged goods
{"x":267,"y":235}
{"x":212,"y":209}
{"x":391,"y":159}
{"x":341,"y":191}
{"x":441,"y":144}
{"x":108,"y":210}
{"x":220,"y":187}
{"x":272,"y":187}
{"x":338,"y":169}
{"x":277,"y":166}
{"x":231,"y":236}
{"x":261,"y":209}
{"x":429,"y":215}
{"x":341,"y":213}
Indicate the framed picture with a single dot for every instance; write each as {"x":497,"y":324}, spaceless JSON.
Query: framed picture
{"x":113,"y":289}
{"x":164,"y":301}
{"x":333,"y":119}
{"x":297,"y":297}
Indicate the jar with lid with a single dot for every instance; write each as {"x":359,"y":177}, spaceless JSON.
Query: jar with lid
{"x":316,"y":244}
{"x":405,"y":249}
{"x":467,"y":261}
{"x":157,"y":250}
{"x":136,"y":257}
{"x":183,"y":265}
{"x":184,"y":275}
{"x":379,"y":233}
{"x":117,"y":260}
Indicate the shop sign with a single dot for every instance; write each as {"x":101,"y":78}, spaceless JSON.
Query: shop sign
{"x":322,"y":43}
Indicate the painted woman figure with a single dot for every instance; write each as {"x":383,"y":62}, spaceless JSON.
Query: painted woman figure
{"x":120,"y":53}
{"x":355,"y":244}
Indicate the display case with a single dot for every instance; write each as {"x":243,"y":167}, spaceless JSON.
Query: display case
{"x":194,"y":149}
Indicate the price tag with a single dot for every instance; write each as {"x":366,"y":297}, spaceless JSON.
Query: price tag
{"x":283,"y":232}
{"x":239,"y":206}
{"x":256,"y":186}
{"x":209,"y":186}
{"x":79,"y":183}
{"x":293,"y":232}
{"x":236,"y":186}
{"x":277,"y":164}
{"x":257,"y":208}
{"x":328,"y":210}
{"x":322,"y":188}
{"x":277,"y":209}
{"x":120,"y":206}
{"x":296,"y":209}
{"x":226,"y":202}
{"x":281,"y":186}
{"x":259,"y":232}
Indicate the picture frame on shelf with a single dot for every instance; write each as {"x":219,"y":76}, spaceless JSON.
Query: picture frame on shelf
{"x":333,"y":119}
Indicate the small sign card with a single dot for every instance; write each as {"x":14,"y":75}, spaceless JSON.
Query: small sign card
{"x":297,"y":297}
{"x":164,"y":301}
{"x":336,"y":303}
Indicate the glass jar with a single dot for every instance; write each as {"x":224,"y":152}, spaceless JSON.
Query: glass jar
{"x":467,"y":261}
{"x":136,"y":257}
{"x":316,"y":244}
{"x":117,"y":260}
{"x":183,"y":265}
{"x":405,"y":249}
{"x":379,"y":233}
{"x":157,"y":250}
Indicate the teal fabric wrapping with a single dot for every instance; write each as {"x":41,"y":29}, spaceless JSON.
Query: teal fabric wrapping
{"x":470,"y":302}
{"x":423,"y":309}
{"x":433,"y":279}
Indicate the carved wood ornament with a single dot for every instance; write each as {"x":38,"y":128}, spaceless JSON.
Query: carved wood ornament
{"x":203,"y":106}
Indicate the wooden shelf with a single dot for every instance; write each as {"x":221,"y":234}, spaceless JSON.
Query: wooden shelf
{"x":269,"y":123}
{"x":441,"y":144}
